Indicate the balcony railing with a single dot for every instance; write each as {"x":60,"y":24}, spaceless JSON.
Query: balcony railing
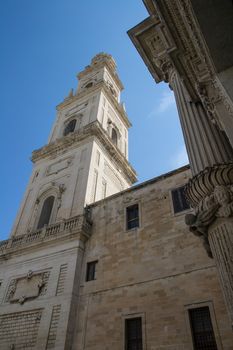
{"x":74,"y":225}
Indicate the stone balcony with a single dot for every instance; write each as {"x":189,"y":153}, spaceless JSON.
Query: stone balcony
{"x":77,"y":226}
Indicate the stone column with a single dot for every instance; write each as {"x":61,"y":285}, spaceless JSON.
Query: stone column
{"x":210,"y":191}
{"x":211,"y":195}
{"x":221,"y":242}
{"x":206,"y":144}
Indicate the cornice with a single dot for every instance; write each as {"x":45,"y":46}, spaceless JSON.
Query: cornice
{"x":172,"y":35}
{"x":71,"y":141}
{"x":101,"y":86}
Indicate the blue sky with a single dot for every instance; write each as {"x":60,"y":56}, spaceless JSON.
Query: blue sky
{"x":44,"y":44}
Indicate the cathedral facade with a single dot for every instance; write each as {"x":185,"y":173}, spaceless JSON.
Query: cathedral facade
{"x":94,"y":263}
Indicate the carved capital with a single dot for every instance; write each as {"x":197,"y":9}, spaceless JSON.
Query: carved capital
{"x":211,"y":195}
{"x":166,"y":67}
{"x":207,"y":102}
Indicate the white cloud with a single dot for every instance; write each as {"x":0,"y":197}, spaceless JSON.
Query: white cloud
{"x":166,"y":102}
{"x":180,"y":158}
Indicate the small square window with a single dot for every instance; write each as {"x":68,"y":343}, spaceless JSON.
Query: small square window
{"x":132,"y":217}
{"x":179,"y":200}
{"x":133,"y":334}
{"x":91,"y":271}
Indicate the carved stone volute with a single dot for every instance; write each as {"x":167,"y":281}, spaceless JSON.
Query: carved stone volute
{"x":210,"y":193}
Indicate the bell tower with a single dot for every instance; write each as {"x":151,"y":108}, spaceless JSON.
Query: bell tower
{"x":86,"y":158}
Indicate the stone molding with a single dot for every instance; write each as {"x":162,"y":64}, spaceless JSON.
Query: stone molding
{"x":66,"y":229}
{"x":90,"y":130}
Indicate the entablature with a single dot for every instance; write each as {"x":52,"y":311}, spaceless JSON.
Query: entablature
{"x":171,"y":39}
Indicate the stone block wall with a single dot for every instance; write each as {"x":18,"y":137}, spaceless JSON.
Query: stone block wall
{"x":157,"y":271}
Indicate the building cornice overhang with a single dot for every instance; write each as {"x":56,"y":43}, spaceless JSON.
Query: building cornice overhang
{"x":90,"y":69}
{"x":102,"y":87}
{"x":93,"y":129}
{"x":138,"y":34}
{"x":171,"y":37}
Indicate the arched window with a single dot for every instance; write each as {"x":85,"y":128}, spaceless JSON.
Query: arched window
{"x":114,"y":137}
{"x":89,"y":85}
{"x":46,"y":211}
{"x":70,"y":127}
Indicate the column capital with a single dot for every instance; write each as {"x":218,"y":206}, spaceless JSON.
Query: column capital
{"x":210,"y":193}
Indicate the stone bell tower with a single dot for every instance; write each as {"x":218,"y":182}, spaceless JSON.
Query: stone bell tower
{"x":85,"y":159}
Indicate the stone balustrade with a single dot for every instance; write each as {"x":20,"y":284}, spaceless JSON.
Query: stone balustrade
{"x":77,"y":224}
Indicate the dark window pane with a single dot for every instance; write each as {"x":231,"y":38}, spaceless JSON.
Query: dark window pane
{"x":202,"y":329}
{"x":132,"y":216}
{"x":91,"y":271}
{"x":114,"y":137}
{"x":179,"y":200}
{"x":46,"y":212}
{"x":89,"y":85}
{"x":70,"y":127}
{"x":133,"y":334}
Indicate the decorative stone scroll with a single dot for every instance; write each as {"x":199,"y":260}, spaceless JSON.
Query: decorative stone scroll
{"x":211,"y":194}
{"x":28,"y":287}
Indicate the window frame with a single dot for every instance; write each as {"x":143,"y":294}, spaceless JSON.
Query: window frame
{"x":51,"y":211}
{"x":172,"y":204}
{"x":66,"y":125}
{"x":88,"y":264}
{"x":210,"y":305}
{"x":126,"y":317}
{"x":54,"y":191}
{"x":139,"y":216}
{"x":114,"y":136}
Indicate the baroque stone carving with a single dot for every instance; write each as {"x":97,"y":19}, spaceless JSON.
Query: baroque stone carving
{"x":207,"y":102}
{"x":30,"y":286}
{"x":218,"y":204}
{"x":165,"y":65}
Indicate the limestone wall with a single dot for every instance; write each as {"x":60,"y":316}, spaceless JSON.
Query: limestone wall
{"x":157,"y":271}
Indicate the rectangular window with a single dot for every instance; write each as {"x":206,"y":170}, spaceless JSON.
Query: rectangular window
{"x":202,"y":329}
{"x":133,"y":334}
{"x":91,"y":271}
{"x":132,"y":217}
{"x":179,"y":200}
